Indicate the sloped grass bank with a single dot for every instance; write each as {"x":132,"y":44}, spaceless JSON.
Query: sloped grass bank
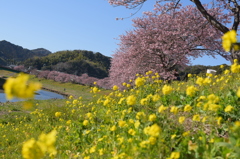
{"x":194,"y":119}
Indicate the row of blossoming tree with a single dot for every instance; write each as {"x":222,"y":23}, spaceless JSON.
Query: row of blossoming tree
{"x":57,"y":76}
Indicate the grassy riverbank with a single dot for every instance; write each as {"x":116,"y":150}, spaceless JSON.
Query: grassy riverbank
{"x":195,"y":119}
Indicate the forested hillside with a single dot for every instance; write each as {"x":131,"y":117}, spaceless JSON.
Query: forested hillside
{"x":13,"y":54}
{"x":75,"y":62}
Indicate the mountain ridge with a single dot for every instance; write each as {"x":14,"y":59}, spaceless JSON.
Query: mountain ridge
{"x":13,"y":54}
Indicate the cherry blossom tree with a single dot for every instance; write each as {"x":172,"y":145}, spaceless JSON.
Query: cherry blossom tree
{"x":43,"y":74}
{"x":164,"y":39}
{"x":231,"y":6}
{"x":104,"y":83}
{"x":20,"y":68}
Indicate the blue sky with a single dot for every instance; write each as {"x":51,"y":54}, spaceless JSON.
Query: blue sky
{"x":71,"y":24}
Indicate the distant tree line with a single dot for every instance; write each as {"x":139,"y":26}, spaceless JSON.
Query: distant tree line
{"x":201,"y":70}
{"x":76,"y":62}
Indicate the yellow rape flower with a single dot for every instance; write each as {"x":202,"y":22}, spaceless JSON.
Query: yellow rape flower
{"x":58,"y":114}
{"x":92,"y":149}
{"x":94,"y":89}
{"x":238,"y":92}
{"x":174,"y":155}
{"x":204,"y":119}
{"x":201,"y":98}
{"x":226,"y":72}
{"x":89,"y":115}
{"x":113,"y":128}
{"x":100,"y":152}
{"x":36,"y":149}
{"x":181,"y":119}
{"x":162,"y":108}
{"x":213,"y":99}
{"x":199,"y":104}
{"x":173,"y":136}
{"x":200,"y":81}
{"x":196,"y":117}
{"x":20,"y":87}
{"x":68,"y":122}
{"x":144,"y":143}
{"x":191,"y":90}
{"x":219,"y":119}
{"x":47,"y":142}
{"x":152,"y":140}
{"x":228,"y":108}
{"x":140,"y":114}
{"x":121,"y":123}
{"x":85,"y":122}
{"x":120,"y":140}
{"x":139,"y":81}
{"x":186,"y":133}
{"x":235,"y":68}
{"x":121,"y":100}
{"x":124,"y":84}
{"x":144,"y":101}
{"x":174,"y":109}
{"x":237,"y":123}
{"x":132,"y":132}
{"x":115,"y":87}
{"x":131,"y":100}
{"x":192,"y":146}
{"x":211,"y":140}
{"x":154,"y":130}
{"x":32,"y":150}
{"x":106,"y":102}
{"x":228,"y":39}
{"x":167,"y":89}
{"x":207,"y":81}
{"x":187,"y":108}
{"x":152,"y":117}
{"x":213,"y":107}
{"x":155,"y":97}
{"x":137,"y":124}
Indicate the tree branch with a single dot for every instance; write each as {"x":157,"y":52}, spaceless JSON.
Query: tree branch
{"x":210,"y":18}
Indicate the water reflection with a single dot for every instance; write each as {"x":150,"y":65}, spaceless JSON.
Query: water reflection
{"x":41,"y":95}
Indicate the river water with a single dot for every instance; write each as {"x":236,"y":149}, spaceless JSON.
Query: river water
{"x":42,"y":95}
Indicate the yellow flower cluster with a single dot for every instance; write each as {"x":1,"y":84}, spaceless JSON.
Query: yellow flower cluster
{"x":19,"y":87}
{"x":58,"y":114}
{"x":139,"y":81}
{"x":228,"y":39}
{"x":33,"y":149}
{"x":167,"y":89}
{"x":191,"y":90}
{"x":203,"y":81}
{"x":115,"y":88}
{"x":235,"y":67}
{"x":131,"y":100}
{"x":153,"y":130}
{"x":94,"y":90}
